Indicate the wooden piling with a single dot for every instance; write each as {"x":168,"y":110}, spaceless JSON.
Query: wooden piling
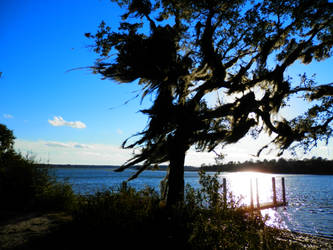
{"x":257,"y":191}
{"x":272,"y":204}
{"x":251,"y":193}
{"x":283,"y":191}
{"x":274,"y":191}
{"x":224,"y":184}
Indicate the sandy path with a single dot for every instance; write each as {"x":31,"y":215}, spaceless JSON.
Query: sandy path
{"x":18,"y":231}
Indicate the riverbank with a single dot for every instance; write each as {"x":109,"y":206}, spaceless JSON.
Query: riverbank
{"x":306,"y":240}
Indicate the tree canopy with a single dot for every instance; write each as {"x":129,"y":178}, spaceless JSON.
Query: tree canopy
{"x":6,"y":139}
{"x":181,"y":51}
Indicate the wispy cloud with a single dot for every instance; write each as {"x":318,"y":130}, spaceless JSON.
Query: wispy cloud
{"x":84,"y":146}
{"x":57,"y":145}
{"x":67,"y":145}
{"x":8,"y":116}
{"x":74,"y":152}
{"x":59,"y":121}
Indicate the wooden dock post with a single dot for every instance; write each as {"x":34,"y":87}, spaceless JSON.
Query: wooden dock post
{"x":224,"y":184}
{"x":257,"y":190}
{"x":272,"y":204}
{"x":283,"y":191}
{"x":251,"y":193}
{"x":274,"y":191}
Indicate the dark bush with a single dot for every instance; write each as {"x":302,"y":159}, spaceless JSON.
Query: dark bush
{"x":135,"y":219}
{"x":26,"y":185}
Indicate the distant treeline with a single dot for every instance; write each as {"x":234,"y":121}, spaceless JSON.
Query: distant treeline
{"x":160,"y":167}
{"x":78,"y":166}
{"x":283,"y":166}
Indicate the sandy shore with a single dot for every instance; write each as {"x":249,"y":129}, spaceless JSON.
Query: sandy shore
{"x":307,"y":241}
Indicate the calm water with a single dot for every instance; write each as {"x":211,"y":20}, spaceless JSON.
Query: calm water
{"x":309,"y":197}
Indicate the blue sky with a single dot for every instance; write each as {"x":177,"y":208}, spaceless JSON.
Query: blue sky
{"x":74,"y":117}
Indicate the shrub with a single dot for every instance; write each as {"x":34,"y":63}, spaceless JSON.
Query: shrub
{"x":24,"y":184}
{"x":117,"y":216}
{"x":55,"y":196}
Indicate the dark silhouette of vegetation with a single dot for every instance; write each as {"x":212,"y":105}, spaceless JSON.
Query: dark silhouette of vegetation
{"x":129,"y":219}
{"x":203,"y":221}
{"x":181,"y":51}
{"x":26,"y":185}
{"x":6,"y":140}
{"x":281,"y":166}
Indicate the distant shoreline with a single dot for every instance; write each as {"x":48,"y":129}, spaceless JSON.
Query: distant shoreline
{"x":78,"y":166}
{"x":293,"y":167}
{"x":160,"y":168}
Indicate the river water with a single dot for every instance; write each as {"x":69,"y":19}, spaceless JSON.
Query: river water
{"x":309,"y":197}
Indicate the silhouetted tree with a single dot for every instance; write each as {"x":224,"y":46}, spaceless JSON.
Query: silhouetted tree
{"x":6,"y":139}
{"x":180,"y":51}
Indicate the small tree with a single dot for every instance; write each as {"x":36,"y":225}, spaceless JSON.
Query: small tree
{"x":6,"y":139}
{"x":239,"y":50}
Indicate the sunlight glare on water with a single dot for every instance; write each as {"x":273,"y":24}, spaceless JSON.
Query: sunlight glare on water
{"x":240,"y":186}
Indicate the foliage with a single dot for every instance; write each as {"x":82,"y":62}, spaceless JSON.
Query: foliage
{"x":6,"y":139}
{"x":119,"y":208}
{"x":55,"y":196}
{"x":238,"y":50}
{"x":25,"y":185}
{"x":133,"y":218}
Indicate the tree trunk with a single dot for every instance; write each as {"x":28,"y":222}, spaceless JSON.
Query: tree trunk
{"x":175,"y":193}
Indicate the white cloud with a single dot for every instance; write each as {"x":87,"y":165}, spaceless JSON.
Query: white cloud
{"x":57,"y":144}
{"x":67,"y":145}
{"x":83,"y":146}
{"x":55,"y":152}
{"x":119,"y":131}
{"x":8,"y":116}
{"x":59,"y":121}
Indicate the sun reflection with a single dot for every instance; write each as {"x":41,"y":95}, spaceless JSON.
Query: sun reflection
{"x":240,"y":183}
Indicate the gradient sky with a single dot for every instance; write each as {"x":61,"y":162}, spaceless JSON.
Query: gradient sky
{"x":72,"y":116}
